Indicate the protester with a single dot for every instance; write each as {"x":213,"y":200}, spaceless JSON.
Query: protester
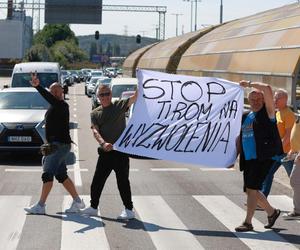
{"x":295,"y":184}
{"x":108,"y":123}
{"x":295,"y":175}
{"x":285,"y":118}
{"x":57,"y":134}
{"x":258,"y":143}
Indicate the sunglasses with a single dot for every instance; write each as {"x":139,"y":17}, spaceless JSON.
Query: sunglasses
{"x":104,"y":94}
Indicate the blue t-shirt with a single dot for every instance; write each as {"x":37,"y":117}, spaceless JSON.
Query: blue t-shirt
{"x":248,"y":140}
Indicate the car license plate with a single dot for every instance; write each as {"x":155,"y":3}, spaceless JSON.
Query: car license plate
{"x":19,"y":139}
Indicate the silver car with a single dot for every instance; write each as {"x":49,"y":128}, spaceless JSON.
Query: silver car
{"x":22,"y":125}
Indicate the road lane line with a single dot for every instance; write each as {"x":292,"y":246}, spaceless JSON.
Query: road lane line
{"x":169,"y":169}
{"x":76,"y":165}
{"x":217,"y":169}
{"x":231,"y":216}
{"x":81,"y":232}
{"x":12,"y":219}
{"x":162,"y":224}
{"x":38,"y":170}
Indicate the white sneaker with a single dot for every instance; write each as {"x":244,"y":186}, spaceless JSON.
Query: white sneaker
{"x":35,"y":209}
{"x":75,"y":207}
{"x":126,"y":214}
{"x":89,"y":211}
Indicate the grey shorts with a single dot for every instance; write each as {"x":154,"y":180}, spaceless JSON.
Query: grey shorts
{"x":55,"y":163}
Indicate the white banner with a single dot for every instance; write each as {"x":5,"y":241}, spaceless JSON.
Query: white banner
{"x":183,"y":118}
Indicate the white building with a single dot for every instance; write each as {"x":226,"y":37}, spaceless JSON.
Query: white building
{"x":16,"y":36}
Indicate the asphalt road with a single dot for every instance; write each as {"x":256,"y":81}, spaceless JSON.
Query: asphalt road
{"x":178,"y":206}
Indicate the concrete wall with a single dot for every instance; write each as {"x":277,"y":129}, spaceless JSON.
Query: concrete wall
{"x":15,"y":39}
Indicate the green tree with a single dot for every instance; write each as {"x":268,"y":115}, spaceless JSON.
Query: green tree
{"x":38,"y":53}
{"x":66,"y":52}
{"x":51,"y":33}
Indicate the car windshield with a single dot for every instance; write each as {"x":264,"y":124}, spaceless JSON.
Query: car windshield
{"x":23,"y":79}
{"x":98,"y":73}
{"x":22,"y":100}
{"x":117,"y":90}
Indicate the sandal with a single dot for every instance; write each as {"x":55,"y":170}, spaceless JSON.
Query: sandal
{"x":245,"y":227}
{"x":273,"y":218}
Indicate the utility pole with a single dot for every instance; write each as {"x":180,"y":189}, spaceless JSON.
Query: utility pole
{"x":191,"y":12}
{"x":196,"y":14}
{"x":221,"y":11}
{"x":177,"y":14}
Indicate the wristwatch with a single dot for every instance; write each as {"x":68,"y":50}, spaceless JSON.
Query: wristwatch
{"x":102,"y":144}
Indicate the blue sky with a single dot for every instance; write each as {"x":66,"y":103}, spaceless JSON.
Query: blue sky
{"x":145,"y":24}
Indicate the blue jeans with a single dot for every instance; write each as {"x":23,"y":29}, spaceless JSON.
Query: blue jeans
{"x":267,"y":184}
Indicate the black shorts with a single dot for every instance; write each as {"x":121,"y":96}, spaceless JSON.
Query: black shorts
{"x":255,"y":172}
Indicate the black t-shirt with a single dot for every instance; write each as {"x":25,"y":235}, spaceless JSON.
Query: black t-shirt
{"x":57,"y":118}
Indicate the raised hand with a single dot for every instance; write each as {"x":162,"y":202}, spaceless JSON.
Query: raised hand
{"x":34,"y":80}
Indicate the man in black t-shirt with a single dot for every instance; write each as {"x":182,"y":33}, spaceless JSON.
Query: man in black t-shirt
{"x":58,"y":134}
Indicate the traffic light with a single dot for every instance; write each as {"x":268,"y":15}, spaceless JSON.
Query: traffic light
{"x":97,"y":35}
{"x":138,"y":39}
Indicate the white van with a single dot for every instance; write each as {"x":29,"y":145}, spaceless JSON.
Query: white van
{"x":48,"y":73}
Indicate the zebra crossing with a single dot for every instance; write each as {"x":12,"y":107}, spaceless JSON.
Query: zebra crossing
{"x":161,"y":223}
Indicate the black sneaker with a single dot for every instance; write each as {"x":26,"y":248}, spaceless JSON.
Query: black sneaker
{"x":245,"y":227}
{"x":273,"y":218}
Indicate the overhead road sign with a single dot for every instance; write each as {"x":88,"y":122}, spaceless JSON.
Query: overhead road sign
{"x":73,"y":11}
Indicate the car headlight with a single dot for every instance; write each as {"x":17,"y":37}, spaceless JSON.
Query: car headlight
{"x":1,"y":127}
{"x":40,"y":128}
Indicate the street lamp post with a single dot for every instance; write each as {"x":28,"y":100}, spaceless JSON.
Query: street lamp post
{"x":177,"y":14}
{"x":196,"y":9}
{"x":221,"y":11}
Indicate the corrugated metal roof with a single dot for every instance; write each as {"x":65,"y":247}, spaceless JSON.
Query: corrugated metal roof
{"x":265,"y":43}
{"x":165,"y":56}
{"x":130,"y":63}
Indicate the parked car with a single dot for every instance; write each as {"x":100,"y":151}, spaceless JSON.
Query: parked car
{"x":95,"y":100}
{"x":75,"y":76}
{"x":85,"y":74}
{"x":119,"y":85}
{"x":111,"y":72}
{"x":127,"y":94}
{"x":90,"y":87}
{"x":67,"y":77}
{"x":22,"y":125}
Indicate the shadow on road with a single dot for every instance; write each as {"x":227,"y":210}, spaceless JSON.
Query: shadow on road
{"x":20,"y":159}
{"x":29,"y":159}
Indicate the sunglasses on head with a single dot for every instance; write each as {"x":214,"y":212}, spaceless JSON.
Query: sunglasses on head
{"x":104,"y":94}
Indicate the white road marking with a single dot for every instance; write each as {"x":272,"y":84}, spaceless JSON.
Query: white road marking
{"x":38,"y":170}
{"x":162,"y":224}
{"x":283,"y":202}
{"x":82,"y":232}
{"x":217,"y":169}
{"x":76,"y":165}
{"x":169,"y":169}
{"x":231,"y":216}
{"x":134,"y":169}
{"x":12,"y":219}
